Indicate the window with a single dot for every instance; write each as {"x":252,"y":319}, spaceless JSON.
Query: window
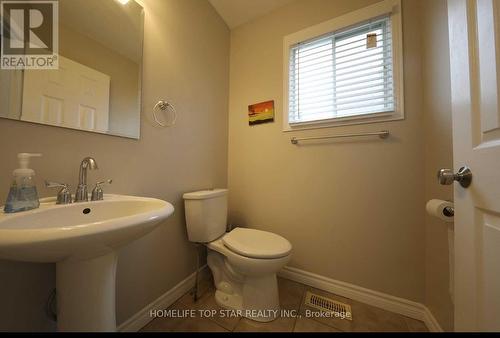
{"x":348,"y":74}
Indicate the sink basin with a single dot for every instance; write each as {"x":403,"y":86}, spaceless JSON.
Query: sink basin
{"x":54,"y":233}
{"x":82,"y":240}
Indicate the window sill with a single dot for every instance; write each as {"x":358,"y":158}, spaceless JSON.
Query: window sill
{"x":345,"y":121}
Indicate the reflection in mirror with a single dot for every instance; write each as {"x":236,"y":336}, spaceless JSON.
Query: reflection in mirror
{"x":98,"y":84}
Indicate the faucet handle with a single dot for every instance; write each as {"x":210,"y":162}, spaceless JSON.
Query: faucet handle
{"x":97,"y":193}
{"x":50,"y":184}
{"x":64,"y":195}
{"x":104,"y":182}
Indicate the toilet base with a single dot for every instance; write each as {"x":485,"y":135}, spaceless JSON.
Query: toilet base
{"x":255,"y":298}
{"x":228,"y":302}
{"x":234,"y":303}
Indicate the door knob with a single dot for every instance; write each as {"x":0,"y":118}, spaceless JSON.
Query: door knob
{"x":447,"y":177}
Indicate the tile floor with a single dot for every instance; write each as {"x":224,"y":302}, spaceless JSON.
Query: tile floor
{"x":366,"y":318}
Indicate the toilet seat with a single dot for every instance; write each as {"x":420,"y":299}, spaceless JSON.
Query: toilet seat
{"x":258,"y":244}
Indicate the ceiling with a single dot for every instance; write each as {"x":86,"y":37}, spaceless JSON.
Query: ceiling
{"x":238,"y":12}
{"x":118,"y":27}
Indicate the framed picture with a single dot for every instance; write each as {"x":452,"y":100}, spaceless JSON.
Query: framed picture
{"x":261,"y":113}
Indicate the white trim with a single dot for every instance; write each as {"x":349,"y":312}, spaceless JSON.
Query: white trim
{"x":381,"y":300}
{"x":142,"y":318}
{"x":378,"y":9}
{"x":431,"y":321}
{"x":378,"y":299}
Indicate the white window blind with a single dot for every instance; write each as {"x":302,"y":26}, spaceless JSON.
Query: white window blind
{"x":343,"y":74}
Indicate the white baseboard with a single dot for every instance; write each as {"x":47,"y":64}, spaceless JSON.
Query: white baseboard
{"x":431,"y":321}
{"x":142,"y":318}
{"x":378,"y":299}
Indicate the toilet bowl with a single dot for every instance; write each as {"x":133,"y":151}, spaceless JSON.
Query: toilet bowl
{"x":244,"y":262}
{"x":244,"y":279}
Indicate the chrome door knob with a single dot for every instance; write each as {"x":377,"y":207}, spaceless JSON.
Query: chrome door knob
{"x":447,"y":177}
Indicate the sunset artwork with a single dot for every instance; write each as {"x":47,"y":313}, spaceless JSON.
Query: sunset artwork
{"x":261,"y":113}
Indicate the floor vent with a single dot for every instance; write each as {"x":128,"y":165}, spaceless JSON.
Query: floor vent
{"x":338,"y":309}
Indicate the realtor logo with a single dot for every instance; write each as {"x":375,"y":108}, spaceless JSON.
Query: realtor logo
{"x":29,"y":34}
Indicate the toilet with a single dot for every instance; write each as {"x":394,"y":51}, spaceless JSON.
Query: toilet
{"x":244,"y":262}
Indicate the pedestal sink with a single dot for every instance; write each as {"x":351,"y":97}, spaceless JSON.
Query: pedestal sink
{"x":82,"y":239}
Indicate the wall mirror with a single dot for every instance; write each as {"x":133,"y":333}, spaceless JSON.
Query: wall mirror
{"x":97,"y":87}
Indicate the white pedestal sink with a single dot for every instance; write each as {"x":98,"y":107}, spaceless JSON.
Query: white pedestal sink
{"x":82,"y":240}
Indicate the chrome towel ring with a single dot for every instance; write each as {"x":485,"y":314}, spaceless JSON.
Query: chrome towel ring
{"x":164,"y":106}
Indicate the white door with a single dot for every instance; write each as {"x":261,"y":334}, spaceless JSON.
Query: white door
{"x":475,"y":74}
{"x":73,"y":96}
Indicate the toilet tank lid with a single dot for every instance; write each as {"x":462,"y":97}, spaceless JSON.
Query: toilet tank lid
{"x":205,"y":194}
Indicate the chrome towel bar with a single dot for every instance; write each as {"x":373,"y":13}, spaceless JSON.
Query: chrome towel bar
{"x":382,"y":134}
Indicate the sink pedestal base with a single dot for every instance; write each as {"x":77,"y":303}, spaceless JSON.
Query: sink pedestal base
{"x":86,"y":294}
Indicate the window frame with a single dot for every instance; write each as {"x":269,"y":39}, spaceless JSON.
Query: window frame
{"x":343,"y":22}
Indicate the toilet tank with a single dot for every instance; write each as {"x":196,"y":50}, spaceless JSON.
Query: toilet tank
{"x":206,"y":214}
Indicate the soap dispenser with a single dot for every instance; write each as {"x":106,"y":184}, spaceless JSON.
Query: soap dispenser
{"x":23,"y":194}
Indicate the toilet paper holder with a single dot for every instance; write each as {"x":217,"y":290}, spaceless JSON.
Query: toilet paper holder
{"x":444,"y":210}
{"x":449,"y":212}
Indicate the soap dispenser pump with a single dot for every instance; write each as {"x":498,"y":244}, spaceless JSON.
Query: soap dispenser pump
{"x":23,"y":195}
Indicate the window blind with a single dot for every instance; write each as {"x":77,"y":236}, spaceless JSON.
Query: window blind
{"x":343,"y":74}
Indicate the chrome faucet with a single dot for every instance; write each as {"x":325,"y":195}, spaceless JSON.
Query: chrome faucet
{"x":64,"y":195}
{"x":81,"y":194}
{"x":97,"y":193}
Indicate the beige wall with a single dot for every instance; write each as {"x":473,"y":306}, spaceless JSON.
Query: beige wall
{"x":182,"y":37}
{"x":11,"y":87}
{"x":5,"y":95}
{"x":353,"y":209}
{"x":438,"y":154}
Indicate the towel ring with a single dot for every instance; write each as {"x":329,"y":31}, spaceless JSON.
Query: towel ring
{"x":164,"y":106}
